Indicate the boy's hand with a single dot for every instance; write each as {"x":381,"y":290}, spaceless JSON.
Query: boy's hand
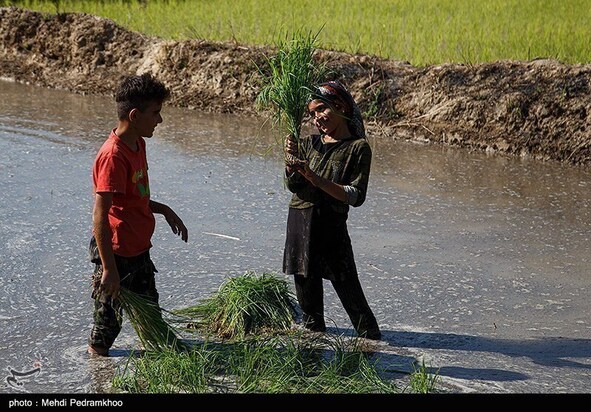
{"x":110,"y":283}
{"x":177,"y":225}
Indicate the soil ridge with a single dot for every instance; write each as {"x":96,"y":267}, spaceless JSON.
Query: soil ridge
{"x":533,"y":109}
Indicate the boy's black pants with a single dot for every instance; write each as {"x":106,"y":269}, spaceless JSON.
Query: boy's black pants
{"x":137,"y":275}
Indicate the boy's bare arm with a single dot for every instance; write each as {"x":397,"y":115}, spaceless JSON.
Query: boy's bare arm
{"x":175,"y":222}
{"x":110,"y":282}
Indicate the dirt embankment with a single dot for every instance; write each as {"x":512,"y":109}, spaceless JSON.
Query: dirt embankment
{"x":539,"y":109}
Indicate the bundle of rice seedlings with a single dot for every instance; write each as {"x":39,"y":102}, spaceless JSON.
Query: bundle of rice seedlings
{"x":170,"y":371}
{"x":293,"y":74}
{"x":244,"y":305}
{"x":146,"y":317}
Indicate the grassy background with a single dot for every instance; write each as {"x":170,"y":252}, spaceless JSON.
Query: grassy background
{"x":422,"y":32}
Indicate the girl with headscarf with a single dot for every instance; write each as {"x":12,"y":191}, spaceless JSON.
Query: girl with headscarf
{"x":331,"y":175}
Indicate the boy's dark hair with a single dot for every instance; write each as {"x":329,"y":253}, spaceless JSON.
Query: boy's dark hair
{"x":137,"y":92}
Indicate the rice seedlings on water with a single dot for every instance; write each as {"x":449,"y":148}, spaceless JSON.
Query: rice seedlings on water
{"x":290,"y":363}
{"x":286,"y":360}
{"x":170,"y":371}
{"x":244,"y":305}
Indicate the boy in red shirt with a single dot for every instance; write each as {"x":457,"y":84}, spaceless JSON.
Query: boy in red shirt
{"x":123,"y":214}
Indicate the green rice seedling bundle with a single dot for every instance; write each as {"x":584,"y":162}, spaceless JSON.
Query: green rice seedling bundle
{"x":293,"y":74}
{"x":288,"y":363}
{"x":245,"y":305}
{"x":146,"y":317}
{"x":171,"y":371}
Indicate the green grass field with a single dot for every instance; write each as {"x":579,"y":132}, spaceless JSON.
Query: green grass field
{"x":423,"y":32}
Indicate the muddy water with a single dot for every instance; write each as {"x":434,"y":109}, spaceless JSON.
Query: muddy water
{"x":479,"y":265}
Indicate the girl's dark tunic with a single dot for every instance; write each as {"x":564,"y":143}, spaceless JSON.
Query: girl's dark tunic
{"x":317,"y":242}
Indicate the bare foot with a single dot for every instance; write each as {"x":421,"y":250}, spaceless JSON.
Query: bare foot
{"x":95,"y":350}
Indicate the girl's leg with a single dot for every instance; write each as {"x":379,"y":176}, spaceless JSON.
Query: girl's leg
{"x":353,"y":299}
{"x":310,"y":297}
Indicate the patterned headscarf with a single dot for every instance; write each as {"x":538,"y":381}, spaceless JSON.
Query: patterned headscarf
{"x":334,"y":91}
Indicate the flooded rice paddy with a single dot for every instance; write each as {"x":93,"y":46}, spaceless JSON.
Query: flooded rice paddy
{"x":477,"y":264}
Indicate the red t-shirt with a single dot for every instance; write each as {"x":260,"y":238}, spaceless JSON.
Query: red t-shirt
{"x":124,"y":172}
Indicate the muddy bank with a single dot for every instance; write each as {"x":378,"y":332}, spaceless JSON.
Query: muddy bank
{"x":538,"y":109}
